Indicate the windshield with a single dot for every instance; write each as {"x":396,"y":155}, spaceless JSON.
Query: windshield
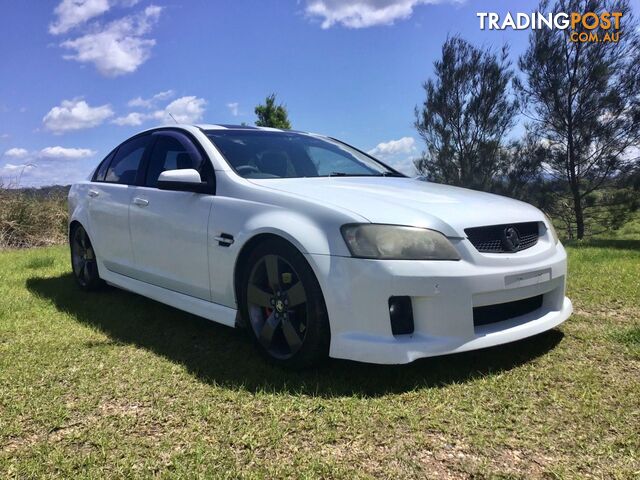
{"x":262,"y":154}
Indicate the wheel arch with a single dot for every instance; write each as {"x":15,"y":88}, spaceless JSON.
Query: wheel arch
{"x":78,"y":210}
{"x":72,"y":226}
{"x":248,"y":247}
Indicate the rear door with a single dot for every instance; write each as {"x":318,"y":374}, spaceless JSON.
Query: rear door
{"x":109,"y":199}
{"x":169,"y":228}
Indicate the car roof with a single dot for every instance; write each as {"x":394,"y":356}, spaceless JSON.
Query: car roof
{"x":223,"y":126}
{"x":226,"y":126}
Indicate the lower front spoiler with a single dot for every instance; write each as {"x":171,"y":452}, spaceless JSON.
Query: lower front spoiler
{"x":406,"y":349}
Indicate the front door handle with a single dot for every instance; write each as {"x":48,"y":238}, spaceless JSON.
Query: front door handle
{"x":93,"y":193}
{"x":224,"y":239}
{"x":141,"y":202}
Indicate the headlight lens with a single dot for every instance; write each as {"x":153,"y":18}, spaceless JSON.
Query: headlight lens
{"x":552,"y":230}
{"x":393,"y":242}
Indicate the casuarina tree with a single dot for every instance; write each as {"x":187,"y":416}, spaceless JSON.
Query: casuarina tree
{"x":272,"y":115}
{"x":584,"y":101}
{"x":467,"y":112}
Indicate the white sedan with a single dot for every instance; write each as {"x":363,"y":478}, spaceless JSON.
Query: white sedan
{"x":315,"y":247}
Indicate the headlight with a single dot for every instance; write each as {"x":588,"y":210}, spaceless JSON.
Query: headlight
{"x":392,"y":242}
{"x":552,"y":230}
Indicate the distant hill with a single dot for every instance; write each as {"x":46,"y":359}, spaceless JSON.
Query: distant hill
{"x":56,"y":191}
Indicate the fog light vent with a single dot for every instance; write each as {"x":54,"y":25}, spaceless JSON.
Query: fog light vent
{"x":401,"y":315}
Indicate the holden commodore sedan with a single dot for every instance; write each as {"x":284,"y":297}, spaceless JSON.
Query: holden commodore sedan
{"x":315,"y":247}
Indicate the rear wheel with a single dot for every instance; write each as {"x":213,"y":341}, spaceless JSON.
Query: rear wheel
{"x":282,"y":304}
{"x":83,"y":260}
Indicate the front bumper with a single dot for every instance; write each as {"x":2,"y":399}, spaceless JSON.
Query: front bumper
{"x":443,"y":295}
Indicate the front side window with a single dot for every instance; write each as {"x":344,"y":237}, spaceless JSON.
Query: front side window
{"x":124,"y":167}
{"x":172,"y":151}
{"x":260,"y":154}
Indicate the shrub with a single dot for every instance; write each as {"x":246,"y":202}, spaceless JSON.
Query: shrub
{"x":32,"y":217}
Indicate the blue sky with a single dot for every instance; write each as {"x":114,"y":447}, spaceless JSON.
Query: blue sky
{"x":80,"y":76}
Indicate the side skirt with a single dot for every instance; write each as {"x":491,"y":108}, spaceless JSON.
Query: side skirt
{"x":209,"y":310}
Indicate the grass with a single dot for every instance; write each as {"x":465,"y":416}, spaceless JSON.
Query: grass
{"x":114,"y":385}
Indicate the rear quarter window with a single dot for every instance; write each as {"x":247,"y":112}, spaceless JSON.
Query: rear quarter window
{"x":101,"y":171}
{"x":123,"y":168}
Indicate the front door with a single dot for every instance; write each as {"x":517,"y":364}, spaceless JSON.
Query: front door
{"x":169,"y":228}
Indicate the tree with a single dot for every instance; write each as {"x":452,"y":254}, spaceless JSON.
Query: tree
{"x":272,"y":115}
{"x":465,"y":116}
{"x":520,"y":173}
{"x":583,"y":98}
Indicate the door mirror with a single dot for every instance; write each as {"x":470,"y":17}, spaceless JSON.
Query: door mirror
{"x":185,"y":180}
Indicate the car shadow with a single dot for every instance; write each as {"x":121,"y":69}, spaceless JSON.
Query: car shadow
{"x":226,"y":357}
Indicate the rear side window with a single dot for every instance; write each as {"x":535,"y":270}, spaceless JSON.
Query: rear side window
{"x":124,"y":167}
{"x":172,"y":151}
{"x":101,"y":172}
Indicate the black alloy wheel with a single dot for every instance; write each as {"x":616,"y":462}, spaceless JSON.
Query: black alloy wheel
{"x":83,"y":260}
{"x":283,"y":306}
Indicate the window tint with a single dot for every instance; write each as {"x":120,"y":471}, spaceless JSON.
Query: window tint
{"x":172,"y":151}
{"x":328,"y":161}
{"x":260,"y":154}
{"x":124,"y":167}
{"x":102,"y":168}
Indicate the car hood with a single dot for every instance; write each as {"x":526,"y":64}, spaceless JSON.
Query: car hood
{"x":408,"y":201}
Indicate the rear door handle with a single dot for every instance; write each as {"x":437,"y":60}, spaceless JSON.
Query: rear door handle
{"x":93,"y":193}
{"x":141,"y":202}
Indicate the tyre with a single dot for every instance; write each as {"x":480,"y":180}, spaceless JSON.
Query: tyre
{"x":83,"y":260}
{"x":282,"y":305}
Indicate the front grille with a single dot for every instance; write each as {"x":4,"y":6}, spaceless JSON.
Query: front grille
{"x":505,"y":311}
{"x":507,"y":238}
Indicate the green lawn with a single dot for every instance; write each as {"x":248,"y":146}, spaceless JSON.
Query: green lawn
{"x":113,"y":385}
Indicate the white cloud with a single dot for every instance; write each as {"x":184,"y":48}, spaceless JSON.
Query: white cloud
{"x":404,"y":145}
{"x":187,"y":109}
{"x":118,"y":47}
{"x":397,"y":153}
{"x":16,"y":153}
{"x":50,"y":166}
{"x":150,"y":102}
{"x":66,"y":153}
{"x":363,"y":13}
{"x":132,"y":119}
{"x":11,"y":169}
{"x":56,"y":152}
{"x":404,"y":165}
{"x":45,"y":172}
{"x":71,"y":13}
{"x":631,"y":154}
{"x":233,"y":108}
{"x":184,"y":110}
{"x":75,"y":114}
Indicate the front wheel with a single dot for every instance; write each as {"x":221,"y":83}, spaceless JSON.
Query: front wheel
{"x":282,"y":304}
{"x":83,"y":260}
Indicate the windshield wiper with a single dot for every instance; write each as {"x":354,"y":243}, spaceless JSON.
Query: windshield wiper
{"x":377,"y":174}
{"x":345,"y":174}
